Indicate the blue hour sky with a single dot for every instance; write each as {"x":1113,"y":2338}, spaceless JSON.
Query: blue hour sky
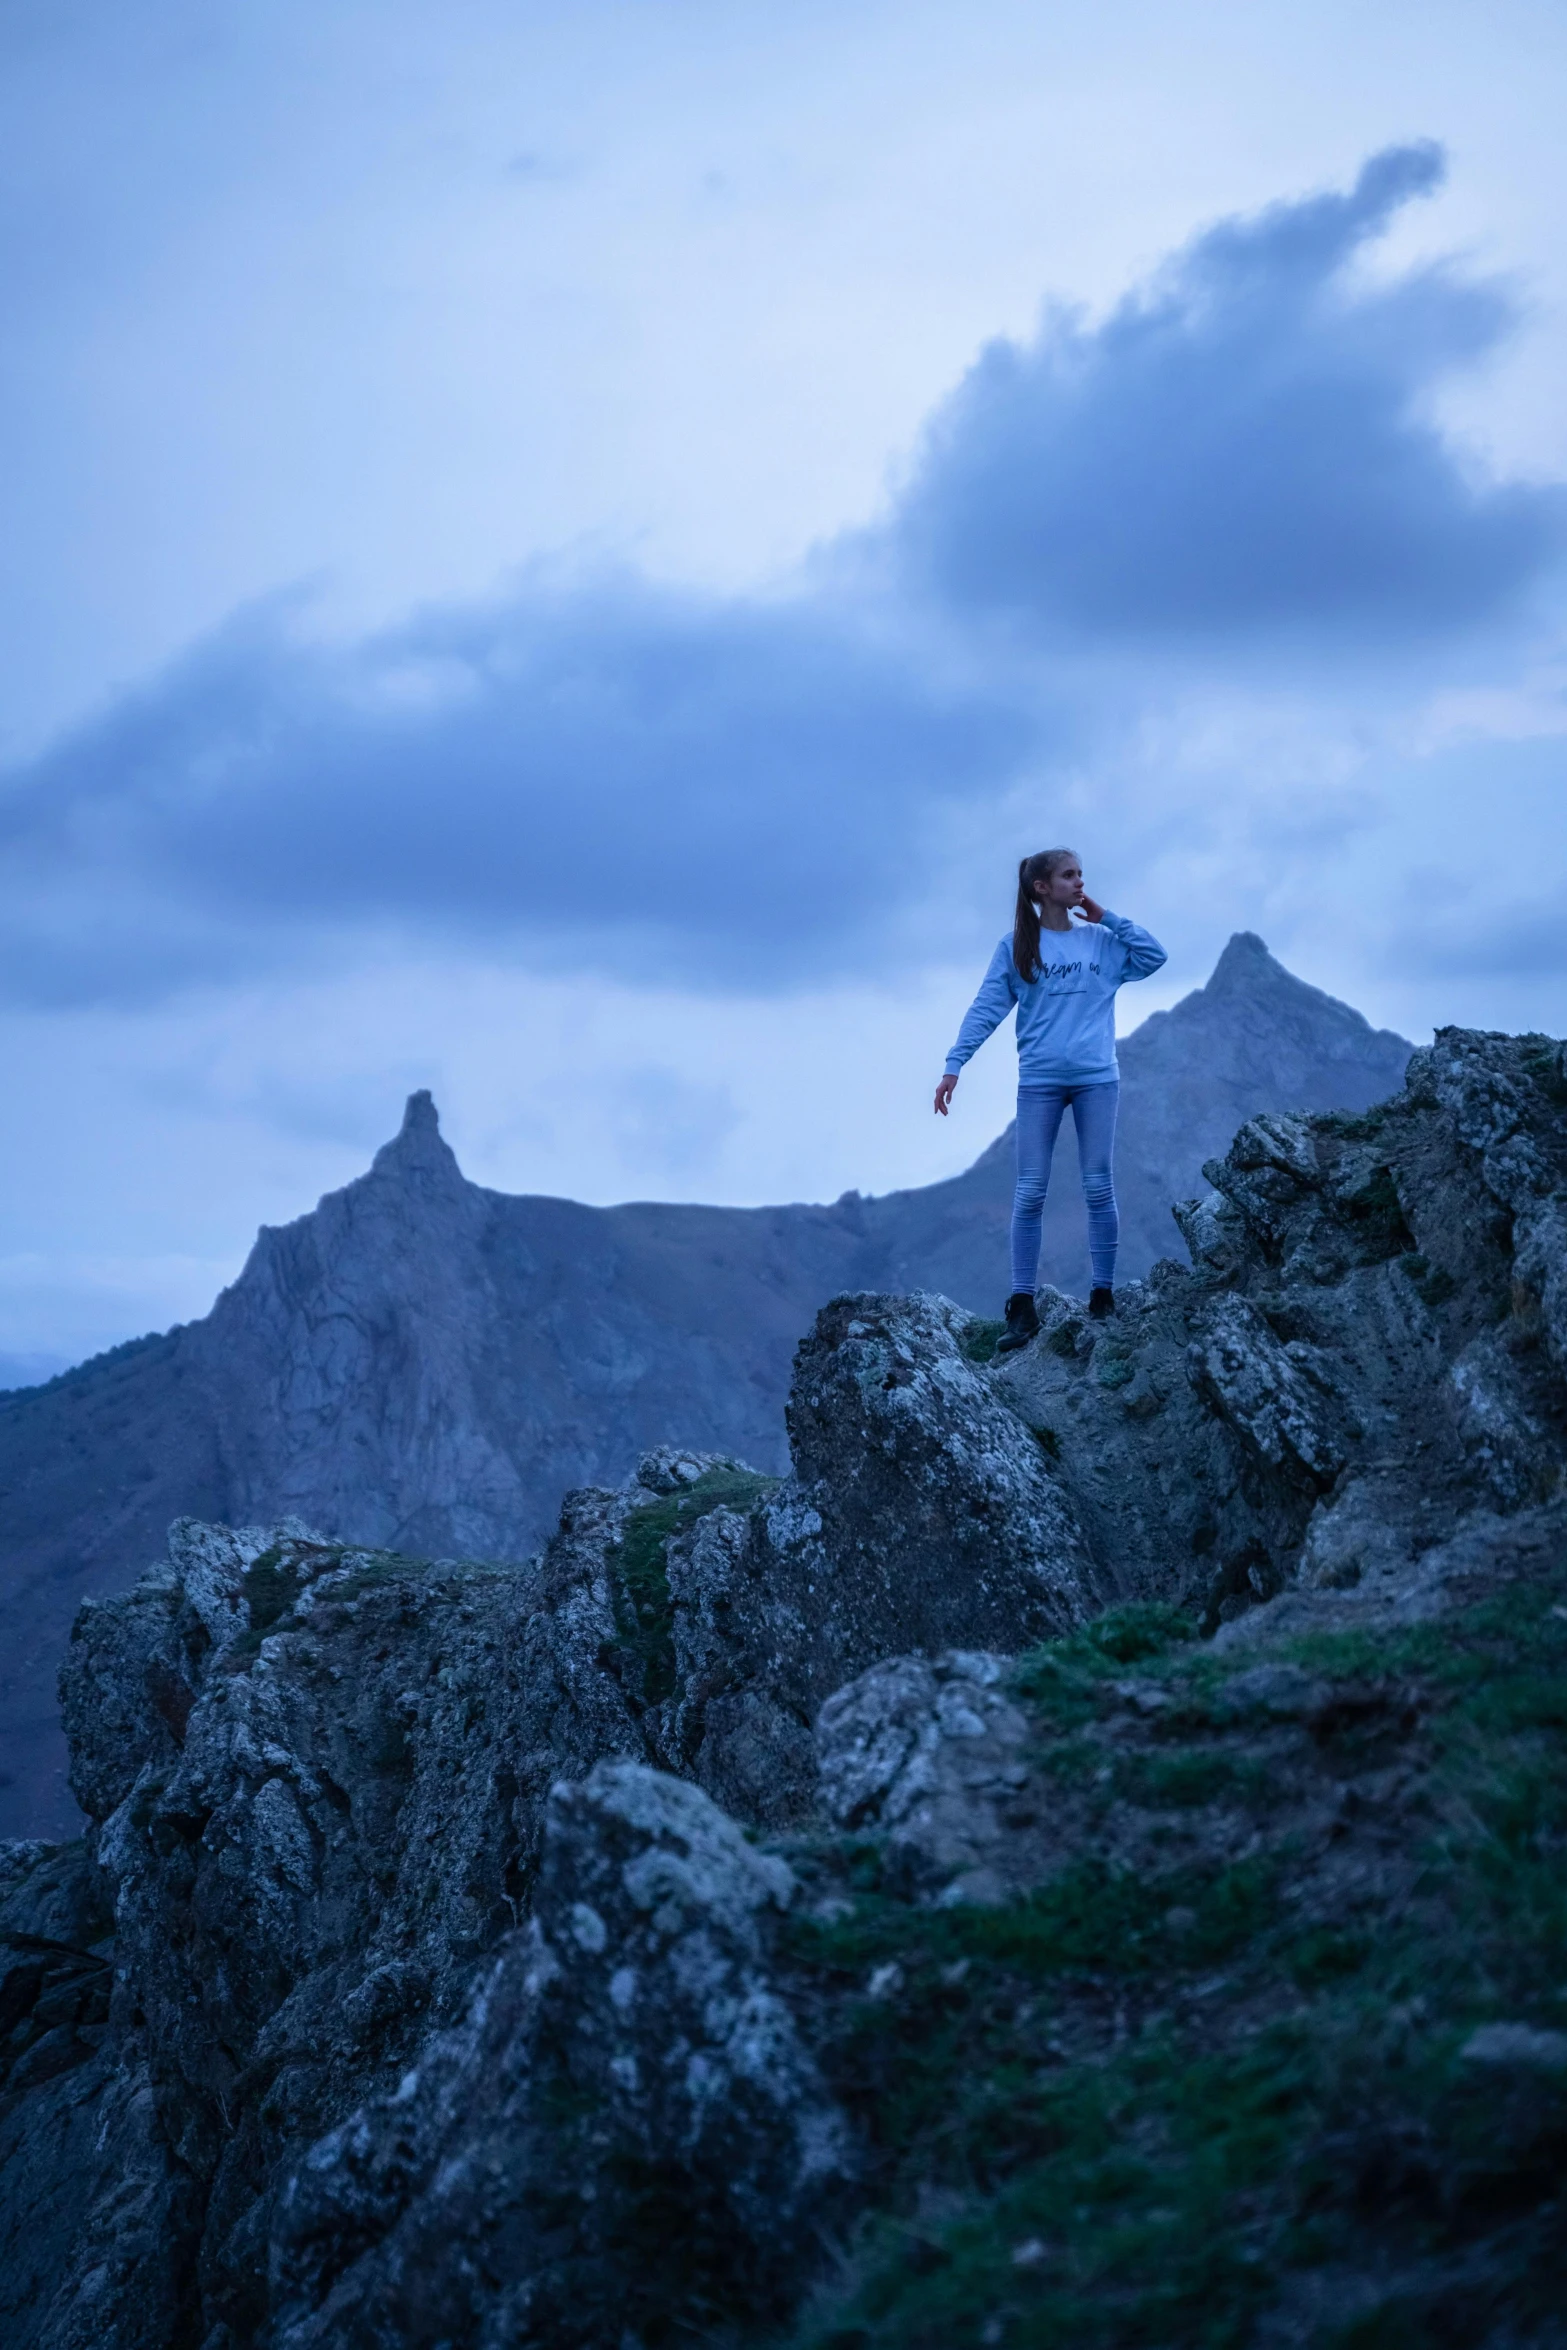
{"x":563,"y":554}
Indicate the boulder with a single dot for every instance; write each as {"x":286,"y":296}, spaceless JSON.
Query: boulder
{"x":626,"y":2128}
{"x":935,"y":1755}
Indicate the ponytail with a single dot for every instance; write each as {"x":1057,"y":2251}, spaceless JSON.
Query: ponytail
{"x":1025,"y":927}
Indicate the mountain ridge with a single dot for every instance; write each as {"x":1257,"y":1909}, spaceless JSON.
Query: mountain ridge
{"x":425,"y":1364}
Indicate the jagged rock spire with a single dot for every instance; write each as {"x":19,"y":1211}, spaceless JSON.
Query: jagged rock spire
{"x":418,"y":1147}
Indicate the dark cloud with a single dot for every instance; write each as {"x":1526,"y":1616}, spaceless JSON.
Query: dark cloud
{"x":733,"y":788}
{"x":744,"y":792}
{"x":1242,"y":446}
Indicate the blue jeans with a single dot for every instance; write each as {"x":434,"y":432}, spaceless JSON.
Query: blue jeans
{"x":1039,"y":1113}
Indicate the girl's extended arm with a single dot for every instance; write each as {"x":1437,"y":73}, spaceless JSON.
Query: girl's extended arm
{"x":996,"y":997}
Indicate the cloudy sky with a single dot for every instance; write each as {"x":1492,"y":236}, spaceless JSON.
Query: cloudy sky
{"x":562,"y":553}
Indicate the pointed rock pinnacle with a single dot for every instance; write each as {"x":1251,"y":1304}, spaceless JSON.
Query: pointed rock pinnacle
{"x":418,"y":1147}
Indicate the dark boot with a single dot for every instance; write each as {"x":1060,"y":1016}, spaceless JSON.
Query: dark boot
{"x":1101,"y":1304}
{"x":1022,"y":1322}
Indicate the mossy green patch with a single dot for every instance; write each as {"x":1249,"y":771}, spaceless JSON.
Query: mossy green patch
{"x":1375,"y":1209}
{"x":639,"y":1572}
{"x":981,"y":1338}
{"x":1139,"y":2152}
{"x":1138,"y":1629}
{"x":1351,"y":1125}
{"x":271,"y":1586}
{"x":278,"y":1578}
{"x":1075,"y":1761}
{"x":1546,"y":1061}
{"x":1135,"y":2224}
{"x":367,"y":1571}
{"x":1063,"y":1680}
{"x":1089,"y":1917}
{"x":1325,"y":1954}
{"x":1187,"y":1776}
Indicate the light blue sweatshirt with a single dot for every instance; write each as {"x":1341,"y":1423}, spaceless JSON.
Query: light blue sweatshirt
{"x":1065,"y":1017}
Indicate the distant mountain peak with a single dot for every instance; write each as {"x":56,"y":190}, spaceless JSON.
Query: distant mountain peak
{"x":1244,"y":961}
{"x":1249,"y":981}
{"x":418,"y":1147}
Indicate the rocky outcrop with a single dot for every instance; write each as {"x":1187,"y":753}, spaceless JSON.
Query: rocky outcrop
{"x":97,"y":2223}
{"x":568,"y":1953}
{"x":1360,"y":1356}
{"x":426,"y":1365}
{"x":920,"y":1512}
{"x":628,"y":2126}
{"x":321,"y":1782}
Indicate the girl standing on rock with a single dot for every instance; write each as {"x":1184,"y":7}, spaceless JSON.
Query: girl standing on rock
{"x":1062,"y":975}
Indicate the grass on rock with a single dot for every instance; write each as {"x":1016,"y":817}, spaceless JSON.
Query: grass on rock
{"x":639,"y":1570}
{"x":1225,"y":2101}
{"x":981,"y":1338}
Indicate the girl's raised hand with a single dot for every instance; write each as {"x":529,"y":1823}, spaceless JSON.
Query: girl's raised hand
{"x":1090,"y":908}
{"x":944,"y":1093}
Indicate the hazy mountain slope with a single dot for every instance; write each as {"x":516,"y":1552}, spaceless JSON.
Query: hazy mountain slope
{"x":425,"y":1364}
